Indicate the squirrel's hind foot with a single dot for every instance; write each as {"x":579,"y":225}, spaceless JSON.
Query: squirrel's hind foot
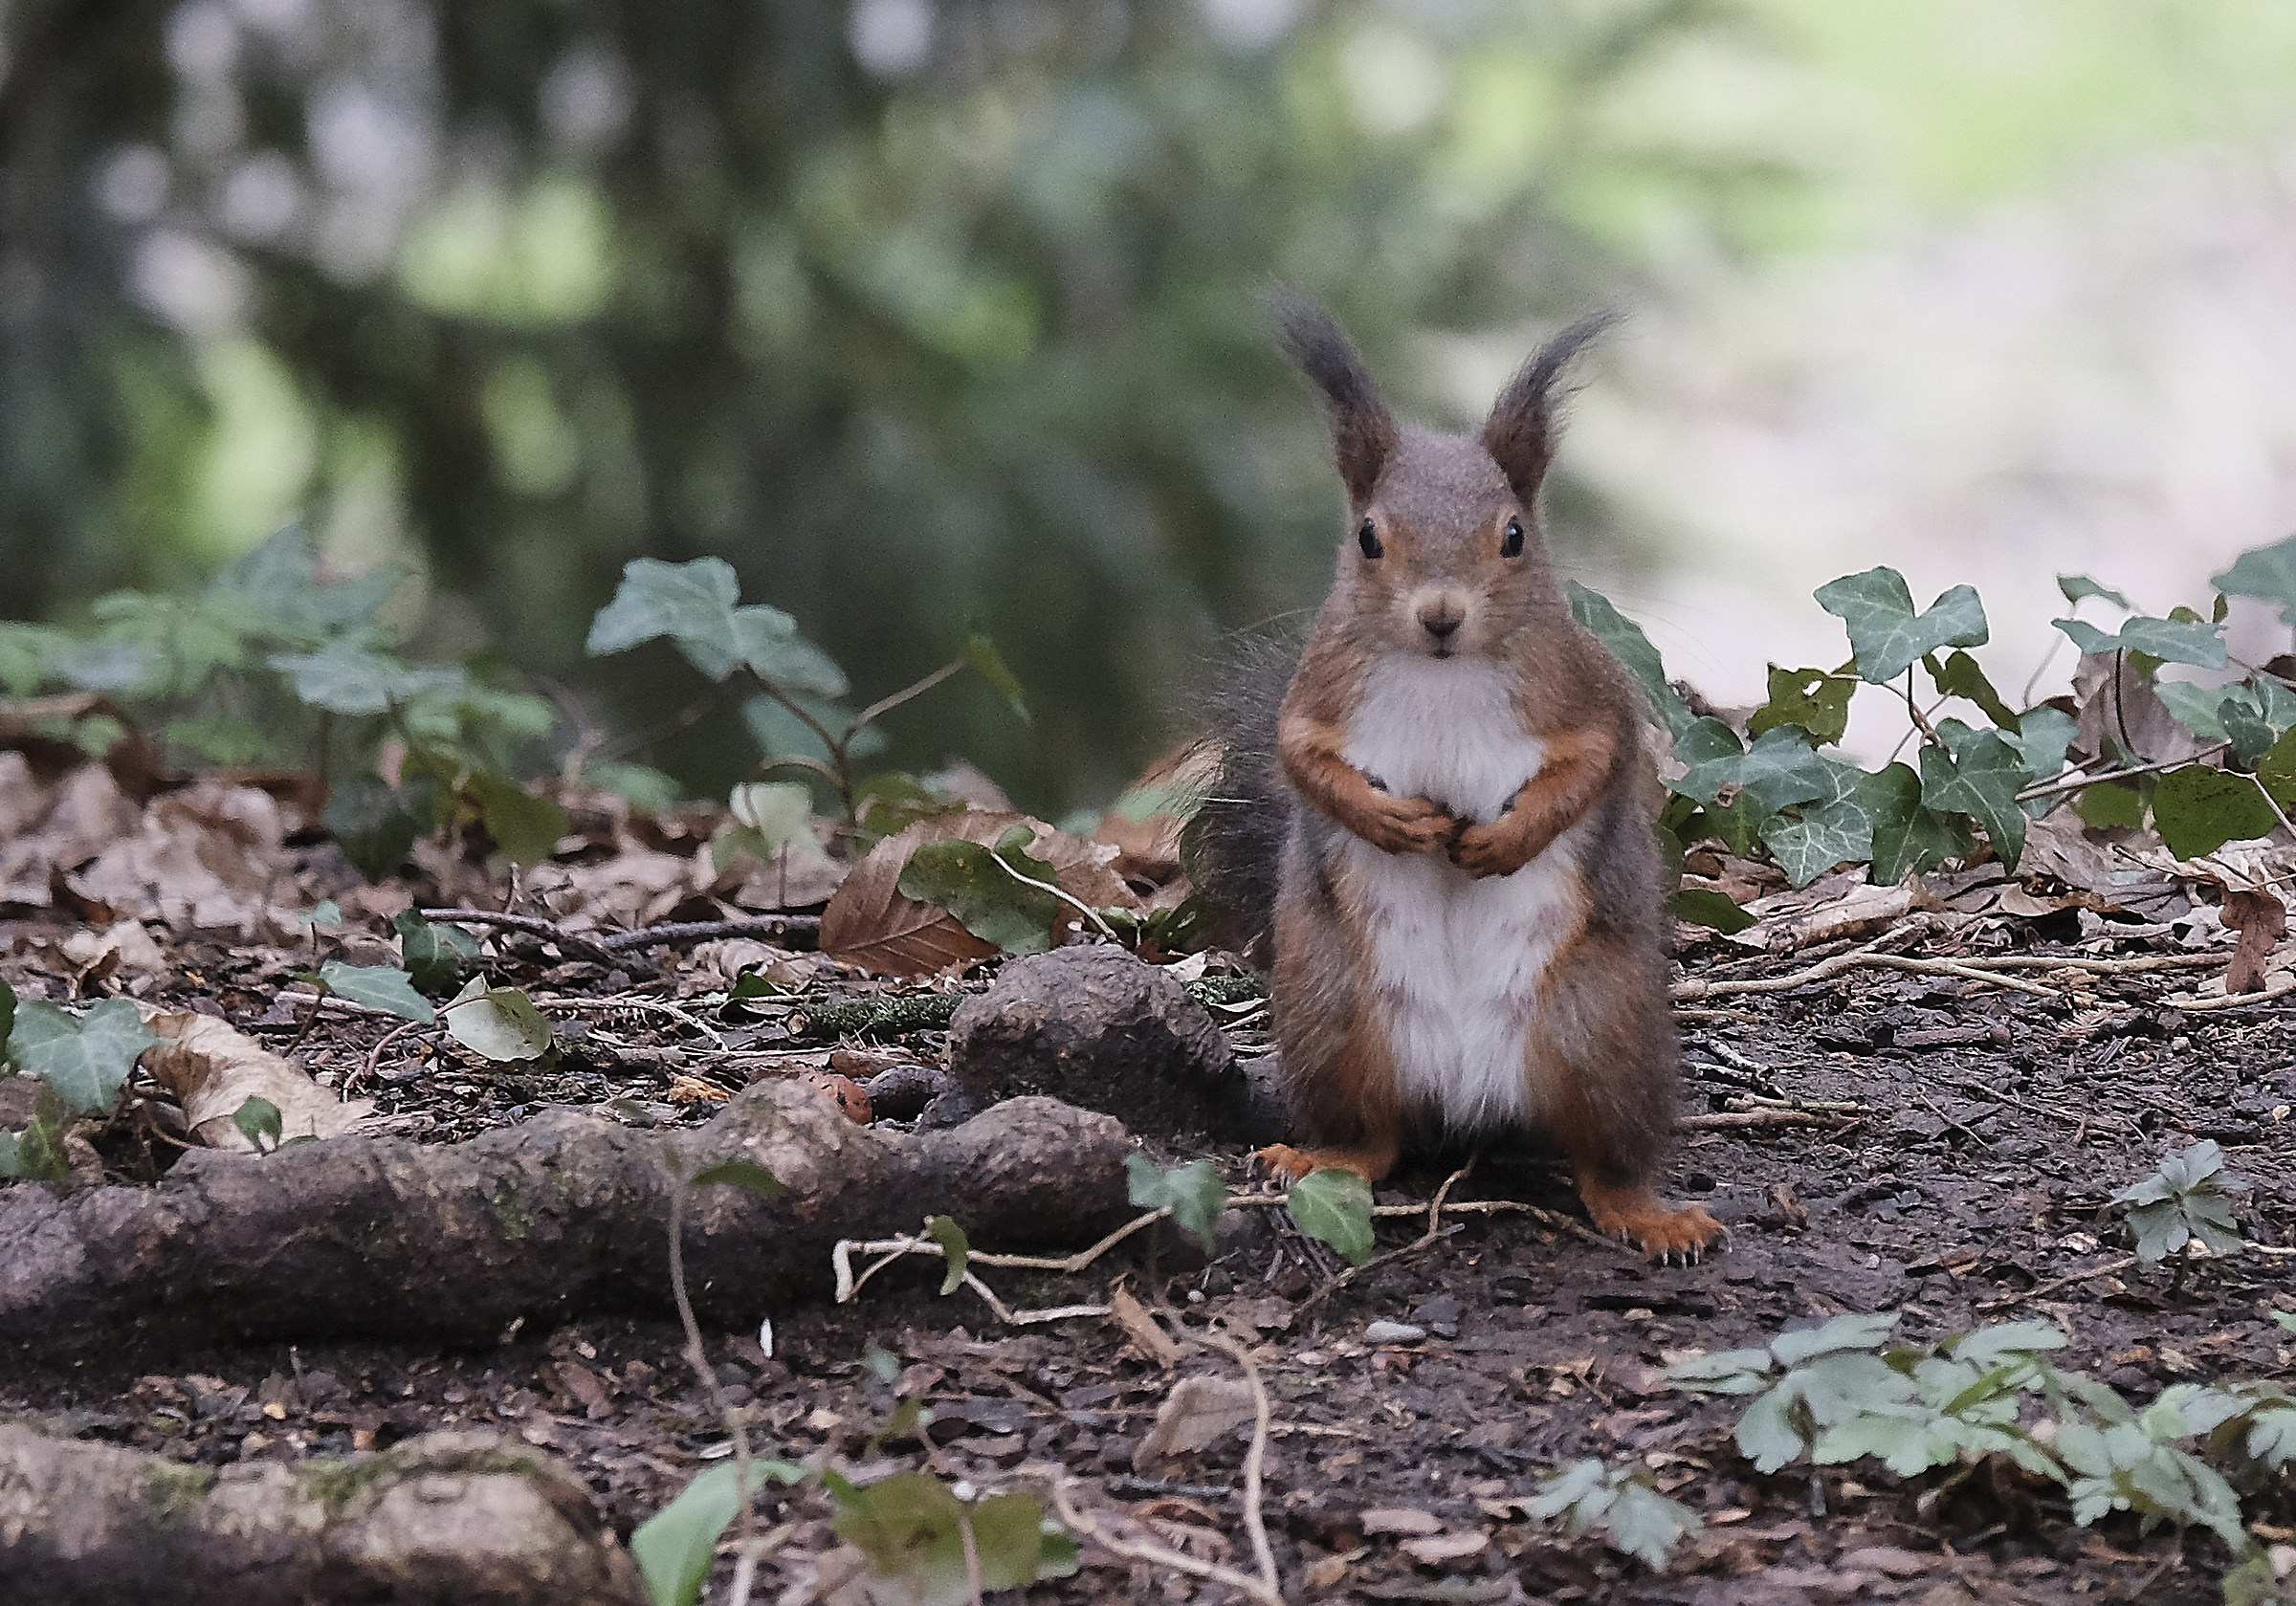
{"x":1663,"y":1235}
{"x":1288,"y":1164}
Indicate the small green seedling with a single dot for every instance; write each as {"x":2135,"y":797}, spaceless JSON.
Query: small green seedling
{"x":2187,"y":1199}
{"x":1634,"y":1517}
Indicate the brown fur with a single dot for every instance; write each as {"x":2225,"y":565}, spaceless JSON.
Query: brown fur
{"x":1602,"y":1057}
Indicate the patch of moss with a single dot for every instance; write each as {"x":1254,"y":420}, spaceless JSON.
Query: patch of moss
{"x":513,"y":1209}
{"x":170,"y":1488}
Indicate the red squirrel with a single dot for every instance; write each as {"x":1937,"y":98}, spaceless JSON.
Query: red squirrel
{"x":1466,"y":922}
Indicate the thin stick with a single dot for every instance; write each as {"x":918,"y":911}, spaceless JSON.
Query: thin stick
{"x":374,"y":1055}
{"x":894,"y":699}
{"x":1825,"y":969}
{"x":2108,"y":1269}
{"x":1142,"y":1550}
{"x":1254,"y":1457}
{"x":1435,"y":1231}
{"x":698,"y":1359}
{"x":2074,"y":782}
{"x":1738,"y":1119}
{"x":1077,"y":904}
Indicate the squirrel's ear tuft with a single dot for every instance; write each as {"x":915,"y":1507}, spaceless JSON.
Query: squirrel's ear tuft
{"x":1520,"y":432}
{"x":1363,"y":431}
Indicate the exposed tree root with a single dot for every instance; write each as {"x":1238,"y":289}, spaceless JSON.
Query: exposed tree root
{"x":564,"y":1217}
{"x":461,"y":1519}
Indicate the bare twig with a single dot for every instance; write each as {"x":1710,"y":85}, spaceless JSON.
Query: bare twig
{"x":1255,"y":1457}
{"x":1436,"y":1231}
{"x":894,"y":700}
{"x":374,"y":1055}
{"x":698,"y":1359}
{"x":2074,"y":782}
{"x":1738,"y":1119}
{"x":2108,"y":1269}
{"x":1825,"y":969}
{"x":1142,"y":1550}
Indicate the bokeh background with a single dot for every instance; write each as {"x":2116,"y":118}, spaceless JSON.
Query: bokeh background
{"x":934,"y":315}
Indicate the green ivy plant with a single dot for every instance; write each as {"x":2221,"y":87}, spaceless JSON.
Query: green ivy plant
{"x":1784,"y":795}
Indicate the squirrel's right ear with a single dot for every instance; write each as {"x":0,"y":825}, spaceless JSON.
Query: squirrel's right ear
{"x":1364,"y":431}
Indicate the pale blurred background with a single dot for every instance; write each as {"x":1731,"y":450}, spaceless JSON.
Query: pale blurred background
{"x":929,"y":314}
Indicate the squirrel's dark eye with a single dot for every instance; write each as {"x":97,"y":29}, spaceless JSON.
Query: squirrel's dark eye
{"x":1369,"y":539}
{"x":1511,"y":544}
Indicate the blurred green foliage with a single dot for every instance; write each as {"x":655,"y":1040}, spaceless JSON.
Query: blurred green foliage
{"x":926,"y":315}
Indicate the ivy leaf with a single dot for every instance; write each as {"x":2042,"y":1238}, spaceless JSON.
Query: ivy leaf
{"x":1332,"y":1204}
{"x":499,"y":1022}
{"x":968,"y":880}
{"x":1818,"y":700}
{"x":912,"y":1526}
{"x":2076,"y":586}
{"x":2041,"y":736}
{"x":1885,"y":635}
{"x":2111,"y":804}
{"x":1646,"y":1525}
{"x":768,"y":642}
{"x":1834,"y":1336}
{"x":1193,"y":1193}
{"x":982,"y":654}
{"x":8,"y":1016}
{"x":525,"y":827}
{"x":1814,"y":840}
{"x":434,"y":954}
{"x":1780,"y":770}
{"x":691,"y":603}
{"x":746,"y":1174}
{"x":675,"y":1547}
{"x":2172,"y":641}
{"x":2268,"y":572}
{"x":1704,"y":906}
{"x":378,"y":987}
{"x":1983,"y":783}
{"x":36,"y":1153}
{"x":2199,"y":808}
{"x":1959,"y":676}
{"x":258,"y":1121}
{"x":84,"y":1061}
{"x":375,"y":822}
{"x":2276,"y":769}
{"x":1631,"y":647}
{"x":346,"y":676}
{"x":944,"y":1231}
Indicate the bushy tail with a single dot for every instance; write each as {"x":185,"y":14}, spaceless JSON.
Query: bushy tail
{"x":1232,"y":846}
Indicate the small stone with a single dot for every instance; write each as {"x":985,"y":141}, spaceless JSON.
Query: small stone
{"x":1440,"y":1314}
{"x":1393,"y":1333}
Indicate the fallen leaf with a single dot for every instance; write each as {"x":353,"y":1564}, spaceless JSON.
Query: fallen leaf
{"x":1197,"y":1412}
{"x":869,"y":924}
{"x":212,"y":1069}
{"x":1401,"y":1519}
{"x":852,"y":1099}
{"x":1446,"y":1547}
{"x":2261,"y":919}
{"x":1146,"y":1335}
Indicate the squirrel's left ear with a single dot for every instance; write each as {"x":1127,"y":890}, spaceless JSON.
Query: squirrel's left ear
{"x":1519,"y":434}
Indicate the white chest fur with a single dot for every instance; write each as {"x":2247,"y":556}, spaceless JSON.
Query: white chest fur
{"x":1456,"y":961}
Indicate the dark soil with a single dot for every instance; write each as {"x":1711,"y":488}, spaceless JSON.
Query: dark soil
{"x":1983,"y":1132}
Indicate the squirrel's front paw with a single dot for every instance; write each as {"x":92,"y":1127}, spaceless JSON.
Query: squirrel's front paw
{"x":1491,"y":850}
{"x":1407,"y":825}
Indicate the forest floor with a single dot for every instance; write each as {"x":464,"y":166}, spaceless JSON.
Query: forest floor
{"x":1874,"y":1139}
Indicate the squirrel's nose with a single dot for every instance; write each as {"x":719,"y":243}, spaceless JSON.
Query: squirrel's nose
{"x":1441,"y":618}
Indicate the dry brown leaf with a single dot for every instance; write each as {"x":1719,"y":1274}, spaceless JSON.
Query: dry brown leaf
{"x":2261,"y":919}
{"x":1146,"y":1335}
{"x":1401,"y":1519}
{"x":2131,"y":713}
{"x":1148,"y":843}
{"x":868,"y":922}
{"x":48,"y":829}
{"x":1440,"y":1550}
{"x":207,"y":857}
{"x":852,"y":1098}
{"x":214,"y":1069}
{"x":1197,"y":1414}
